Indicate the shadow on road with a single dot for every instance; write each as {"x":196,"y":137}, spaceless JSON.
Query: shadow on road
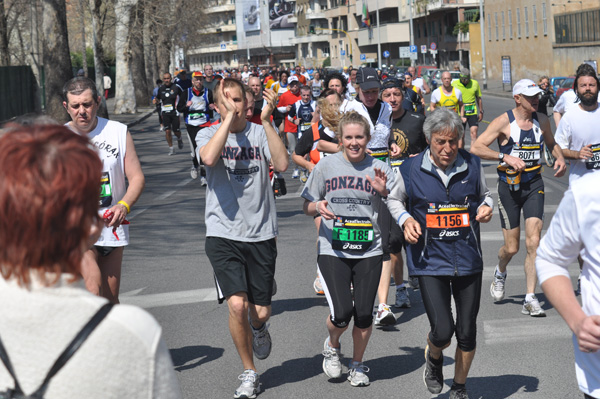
{"x":497,"y":387}
{"x":198,"y":355}
{"x":296,"y":304}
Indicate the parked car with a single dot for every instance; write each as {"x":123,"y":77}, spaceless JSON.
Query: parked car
{"x":556,"y":82}
{"x":421,"y":69}
{"x":565,"y":86}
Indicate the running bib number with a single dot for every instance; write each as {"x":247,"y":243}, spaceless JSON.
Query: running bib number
{"x":530,"y":154}
{"x":448,"y":222}
{"x":470,"y":109}
{"x":380,"y":153}
{"x":105,"y":191}
{"x":594,"y":161}
{"x":198,"y":117}
{"x":354,"y":234}
{"x":395,"y":164}
{"x":167,"y":108}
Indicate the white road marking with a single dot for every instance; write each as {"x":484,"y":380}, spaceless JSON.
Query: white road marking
{"x":526,"y":328}
{"x":170,"y":298}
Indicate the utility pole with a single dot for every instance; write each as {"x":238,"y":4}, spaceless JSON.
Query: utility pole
{"x":481,"y":22}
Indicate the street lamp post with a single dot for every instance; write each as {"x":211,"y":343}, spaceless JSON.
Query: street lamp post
{"x":481,"y":21}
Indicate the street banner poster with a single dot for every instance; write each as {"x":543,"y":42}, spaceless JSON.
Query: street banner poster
{"x":251,"y":15}
{"x":279,"y":12}
{"x":506,"y":75}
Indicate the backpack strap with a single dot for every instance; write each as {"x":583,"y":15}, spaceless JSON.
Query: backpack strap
{"x":69,"y":351}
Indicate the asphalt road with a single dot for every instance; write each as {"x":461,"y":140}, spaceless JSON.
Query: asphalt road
{"x":167,"y":272}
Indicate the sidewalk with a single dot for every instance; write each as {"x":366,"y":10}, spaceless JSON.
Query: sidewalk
{"x":143,"y":113}
{"x":494,"y":88}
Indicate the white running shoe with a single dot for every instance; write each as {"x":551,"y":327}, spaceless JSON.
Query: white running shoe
{"x":203,"y":181}
{"x":497,"y":288}
{"x":356,"y":374}
{"x":250,"y":385}
{"x":296,"y":174}
{"x":384,"y":316}
{"x":171,"y":151}
{"x":331,"y":361}
{"x":533,"y":308}
{"x":194,"y":173}
{"x":402,"y":300}
{"x":318,"y":287}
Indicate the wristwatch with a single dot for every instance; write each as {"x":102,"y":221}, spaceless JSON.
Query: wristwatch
{"x":500,"y":156}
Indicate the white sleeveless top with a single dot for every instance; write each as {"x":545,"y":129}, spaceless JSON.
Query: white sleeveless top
{"x":110,"y":142}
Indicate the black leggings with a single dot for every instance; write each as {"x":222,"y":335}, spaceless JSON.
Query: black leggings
{"x":466,"y":290}
{"x":336,"y":276}
{"x":192,"y":132}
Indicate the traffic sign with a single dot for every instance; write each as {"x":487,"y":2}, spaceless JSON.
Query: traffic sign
{"x":413,"y":49}
{"x":405,"y":52}
{"x":433,"y":46}
{"x":363,"y":57}
{"x":343,"y":52}
{"x":423,"y":48}
{"x":223,"y":46}
{"x":386,"y":54}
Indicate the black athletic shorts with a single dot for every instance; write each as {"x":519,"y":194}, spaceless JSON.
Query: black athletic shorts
{"x":396,"y":240}
{"x":472,"y":120}
{"x":530,"y":198}
{"x":384,"y":221}
{"x":104,"y":251}
{"x":170,"y":122}
{"x":243,"y":267}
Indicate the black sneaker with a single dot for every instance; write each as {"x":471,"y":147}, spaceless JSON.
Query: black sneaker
{"x":432,"y":375}
{"x":458,"y":393}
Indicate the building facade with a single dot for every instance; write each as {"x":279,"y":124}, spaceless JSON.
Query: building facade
{"x":533,"y":38}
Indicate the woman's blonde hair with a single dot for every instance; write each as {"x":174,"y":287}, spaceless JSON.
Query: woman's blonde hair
{"x":353,"y":118}
{"x":330,"y":113}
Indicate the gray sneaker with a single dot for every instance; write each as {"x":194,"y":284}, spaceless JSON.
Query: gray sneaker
{"x":459,"y":393}
{"x":432,"y":374}
{"x":179,"y":143}
{"x":497,"y":287}
{"x":250,"y":385}
{"x":331,"y":362}
{"x":261,"y":342}
{"x":402,"y":300}
{"x":356,"y":374}
{"x":413,"y":282}
{"x":533,"y":308}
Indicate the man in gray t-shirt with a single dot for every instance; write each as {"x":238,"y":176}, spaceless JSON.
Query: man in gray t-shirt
{"x":241,"y":220}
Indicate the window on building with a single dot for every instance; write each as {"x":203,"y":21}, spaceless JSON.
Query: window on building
{"x":544,"y":19}
{"x":503,"y":27}
{"x":534,"y":12}
{"x":496,"y":24}
{"x":518,"y":23}
{"x":489,"y":23}
{"x":526,"y":15}
{"x":425,"y":29}
{"x":577,"y":27}
{"x":510,"y":30}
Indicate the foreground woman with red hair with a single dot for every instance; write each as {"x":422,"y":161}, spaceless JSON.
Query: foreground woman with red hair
{"x":49,"y":188}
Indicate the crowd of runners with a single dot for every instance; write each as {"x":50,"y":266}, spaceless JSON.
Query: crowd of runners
{"x":383,"y":172}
